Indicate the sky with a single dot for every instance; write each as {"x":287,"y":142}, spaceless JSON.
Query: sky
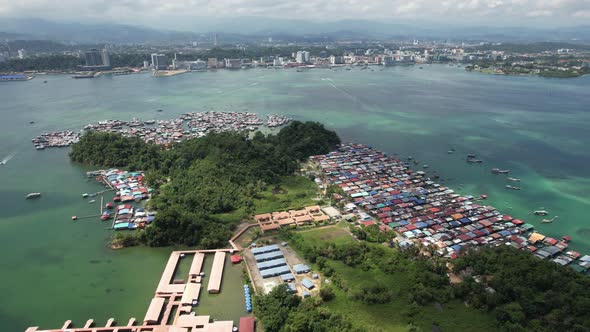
{"x":178,"y":14}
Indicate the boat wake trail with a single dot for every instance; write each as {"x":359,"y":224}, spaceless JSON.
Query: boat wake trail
{"x":7,"y":158}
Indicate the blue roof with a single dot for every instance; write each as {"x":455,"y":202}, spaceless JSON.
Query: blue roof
{"x":292,"y":287}
{"x":421,"y":224}
{"x":307,"y":283}
{"x":265,"y":249}
{"x":123,"y":225}
{"x":276,"y":271}
{"x":272,"y":263}
{"x":287,"y":277}
{"x":268,"y":256}
{"x":301,"y":268}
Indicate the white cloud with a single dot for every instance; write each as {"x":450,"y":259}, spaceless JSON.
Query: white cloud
{"x":539,"y":13}
{"x":165,"y":12}
{"x":582,"y":13}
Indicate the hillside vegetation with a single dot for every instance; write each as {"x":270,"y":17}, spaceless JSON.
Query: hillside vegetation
{"x":200,"y":178}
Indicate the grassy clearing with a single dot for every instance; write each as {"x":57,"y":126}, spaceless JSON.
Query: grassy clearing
{"x":293,"y":192}
{"x":396,"y":316}
{"x":335,"y":233}
{"x":248,"y":237}
{"x":400,"y":314}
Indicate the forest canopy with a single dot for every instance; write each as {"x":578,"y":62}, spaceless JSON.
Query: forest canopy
{"x":198,"y":178}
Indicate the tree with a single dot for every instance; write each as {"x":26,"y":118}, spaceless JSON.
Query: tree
{"x":327,"y":293}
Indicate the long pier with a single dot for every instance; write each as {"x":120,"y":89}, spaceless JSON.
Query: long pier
{"x":167,"y":297}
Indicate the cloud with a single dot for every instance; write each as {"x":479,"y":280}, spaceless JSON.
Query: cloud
{"x":539,"y":13}
{"x":171,"y":12}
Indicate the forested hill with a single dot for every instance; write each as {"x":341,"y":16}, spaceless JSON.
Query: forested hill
{"x":199,"y":178}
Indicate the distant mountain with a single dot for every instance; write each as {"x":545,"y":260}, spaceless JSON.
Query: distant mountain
{"x":89,"y":33}
{"x":243,"y":29}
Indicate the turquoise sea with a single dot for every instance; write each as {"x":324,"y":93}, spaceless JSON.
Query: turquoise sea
{"x":53,"y":269}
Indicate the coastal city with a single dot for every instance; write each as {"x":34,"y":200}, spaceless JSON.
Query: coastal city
{"x":545,"y":60}
{"x":247,"y":166}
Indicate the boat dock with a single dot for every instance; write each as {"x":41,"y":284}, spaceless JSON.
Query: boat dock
{"x":172,"y":302}
{"x":214,"y":285}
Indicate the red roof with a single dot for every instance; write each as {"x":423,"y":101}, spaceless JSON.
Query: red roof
{"x":246,"y":324}
{"x":236,"y":259}
{"x":369,"y":223}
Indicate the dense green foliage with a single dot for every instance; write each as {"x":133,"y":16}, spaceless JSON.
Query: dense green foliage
{"x":200,"y":178}
{"x":385,"y":289}
{"x":50,"y":62}
{"x":281,"y":311}
{"x":428,"y":276}
{"x":114,"y":150}
{"x":69,"y":62}
{"x":522,"y":292}
{"x":564,"y":73}
{"x":526,"y":293}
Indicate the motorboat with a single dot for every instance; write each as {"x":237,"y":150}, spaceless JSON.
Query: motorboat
{"x":500,"y":171}
{"x":33,"y":195}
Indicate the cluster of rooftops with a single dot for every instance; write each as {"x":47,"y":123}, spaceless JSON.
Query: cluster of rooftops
{"x":276,"y":220}
{"x":386,"y":192}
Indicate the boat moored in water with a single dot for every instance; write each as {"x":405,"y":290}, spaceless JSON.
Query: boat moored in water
{"x":33,"y":195}
{"x":513,"y":179}
{"x":512,"y":187}
{"x":500,"y":171}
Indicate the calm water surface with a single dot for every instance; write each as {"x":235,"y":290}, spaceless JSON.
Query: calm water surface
{"x":53,"y":269}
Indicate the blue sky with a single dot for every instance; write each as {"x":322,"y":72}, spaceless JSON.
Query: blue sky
{"x":179,"y":13}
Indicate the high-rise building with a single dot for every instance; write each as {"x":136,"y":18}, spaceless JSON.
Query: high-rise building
{"x":388,"y":61}
{"x":336,"y":60}
{"x":159,"y":61}
{"x":233,"y":63}
{"x":22,"y":54}
{"x":106,"y":58}
{"x":302,"y":57}
{"x":146,"y":64}
{"x":93,"y":58}
{"x":215,"y":41}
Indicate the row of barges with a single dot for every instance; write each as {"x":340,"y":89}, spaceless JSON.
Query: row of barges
{"x":386,"y":192}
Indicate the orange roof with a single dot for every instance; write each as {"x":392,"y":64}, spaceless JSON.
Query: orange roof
{"x":262,"y":217}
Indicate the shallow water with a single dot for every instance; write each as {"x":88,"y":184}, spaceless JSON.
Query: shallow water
{"x":54,"y":269}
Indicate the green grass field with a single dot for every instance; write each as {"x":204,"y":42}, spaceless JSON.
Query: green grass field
{"x":397,"y":315}
{"x":293,"y":192}
{"x":335,"y":233}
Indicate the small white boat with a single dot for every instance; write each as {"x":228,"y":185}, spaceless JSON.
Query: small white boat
{"x":91,"y":201}
{"x":541,"y":213}
{"x":33,"y":195}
